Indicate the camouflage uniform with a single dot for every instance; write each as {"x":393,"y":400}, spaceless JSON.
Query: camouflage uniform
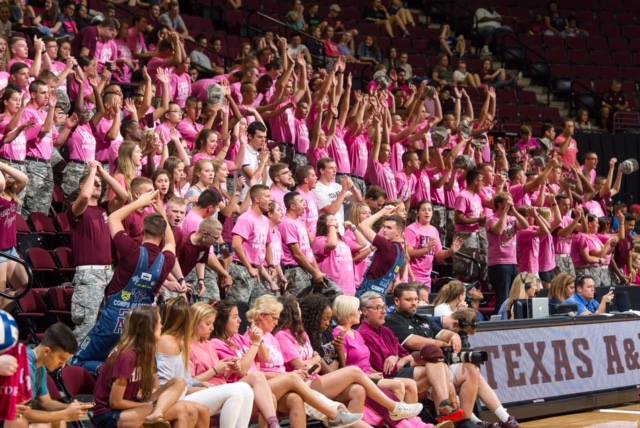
{"x":439,"y":220}
{"x":299,"y":159}
{"x":599,"y":274}
{"x":245,"y":287}
{"x":211,"y":289}
{"x":89,"y":284}
{"x":474,"y":246}
{"x":22,"y":168}
{"x":40,"y":188}
{"x":299,"y":280}
{"x":73,"y":172}
{"x":564,"y":264}
{"x":450,"y":228}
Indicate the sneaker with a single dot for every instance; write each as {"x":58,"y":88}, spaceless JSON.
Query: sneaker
{"x":345,"y":419}
{"x":405,"y":410}
{"x":510,"y":423}
{"x":485,"y":424}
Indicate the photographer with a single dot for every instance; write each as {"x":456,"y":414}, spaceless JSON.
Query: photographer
{"x":391,"y":359}
{"x":415,"y":332}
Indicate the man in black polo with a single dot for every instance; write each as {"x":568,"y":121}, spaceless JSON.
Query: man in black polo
{"x":414,"y":332}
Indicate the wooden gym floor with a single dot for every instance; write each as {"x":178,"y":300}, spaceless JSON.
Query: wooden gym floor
{"x":618,"y":417}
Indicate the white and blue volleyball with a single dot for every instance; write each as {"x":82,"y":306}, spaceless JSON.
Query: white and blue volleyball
{"x":8,"y":332}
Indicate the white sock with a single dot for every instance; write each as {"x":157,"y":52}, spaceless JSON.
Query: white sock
{"x":502,"y":414}
{"x":474,"y":418}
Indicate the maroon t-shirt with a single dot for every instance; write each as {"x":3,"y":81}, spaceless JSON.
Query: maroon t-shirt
{"x":189,"y":255}
{"x":87,"y":38}
{"x":8,"y":213}
{"x":90,"y":238}
{"x":124,"y":367}
{"x":134,"y":225}
{"x":128,"y":255}
{"x":384,"y":257}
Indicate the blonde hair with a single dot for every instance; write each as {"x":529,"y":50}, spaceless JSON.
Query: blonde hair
{"x":198,"y":169}
{"x":518,"y":290}
{"x":545,"y":213}
{"x":344,"y":307}
{"x":451,"y":291}
{"x":210,"y":225}
{"x":199,"y":311}
{"x":558,"y":286}
{"x":125,"y":164}
{"x":264,"y":305}
{"x":354,"y":216}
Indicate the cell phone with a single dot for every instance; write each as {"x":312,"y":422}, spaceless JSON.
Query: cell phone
{"x":313,"y":368}
{"x":612,"y":289}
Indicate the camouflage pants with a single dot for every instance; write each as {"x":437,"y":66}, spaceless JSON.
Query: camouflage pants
{"x":22,"y":168}
{"x":564,"y":264}
{"x":73,"y":172}
{"x":211,"y":289}
{"x":245,"y":288}
{"x":439,"y":220}
{"x":40,"y":188}
{"x":89,"y":284}
{"x":600,"y":275}
{"x":475,"y":247}
{"x":299,"y":280}
{"x":450,"y":228}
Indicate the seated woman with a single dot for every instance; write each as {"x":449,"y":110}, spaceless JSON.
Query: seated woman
{"x":250,"y":353}
{"x":524,"y":286}
{"x":450,"y":298}
{"x":173,"y":363}
{"x":298,"y":354}
{"x":562,"y":287}
{"x":126,"y":391}
{"x":356,"y":352}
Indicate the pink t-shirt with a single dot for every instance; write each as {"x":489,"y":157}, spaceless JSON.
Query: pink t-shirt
{"x":166,"y":132}
{"x":520,"y":197}
{"x":191,"y":223}
{"x":406,"y":185}
{"x":358,"y":153}
{"x":437,"y":193}
{"x":547,"y":256}
{"x":254,"y":230}
{"x":122,"y":73}
{"x":397,"y":150}
{"x":594,"y":207}
{"x":422,"y":191}
{"x":277,"y":196}
{"x":592,"y":243}
{"x":382,"y":175}
{"x":17,"y":149}
{"x":135,"y":41}
{"x":106,"y":51}
{"x":274,"y":241}
{"x":82,"y":143}
{"x":200,"y":87}
{"x":356,"y":350}
{"x":528,"y":250}
{"x":180,"y":85}
{"x":563,"y":245}
{"x":570,"y":157}
{"x":236,"y":347}
{"x":292,"y":349}
{"x":293,"y":231}
{"x":420,"y":236}
{"x":283,"y":126}
{"x":301,"y":136}
{"x":41,"y":148}
{"x":486,"y":194}
{"x":501,"y":248}
{"x":359,"y":268}
{"x":337,"y":264}
{"x":337,"y":149}
{"x":275,"y":363}
{"x":87,"y":92}
{"x":104,"y":144}
{"x":189,"y":131}
{"x":470,"y":205}
{"x":450,"y":195}
{"x":310,"y":216}
{"x":202,"y":357}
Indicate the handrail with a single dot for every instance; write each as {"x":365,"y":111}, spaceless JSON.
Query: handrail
{"x":23,"y":292}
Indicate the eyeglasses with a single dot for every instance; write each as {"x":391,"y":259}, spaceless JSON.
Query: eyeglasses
{"x":379,"y":308}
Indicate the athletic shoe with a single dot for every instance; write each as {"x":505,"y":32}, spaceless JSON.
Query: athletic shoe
{"x":345,"y":419}
{"x":510,"y":423}
{"x":485,"y":424}
{"x":405,"y":410}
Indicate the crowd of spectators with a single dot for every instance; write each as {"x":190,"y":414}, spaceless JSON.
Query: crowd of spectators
{"x":287,"y":226}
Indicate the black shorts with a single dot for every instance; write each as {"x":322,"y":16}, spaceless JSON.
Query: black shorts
{"x":547,"y":276}
{"x":406,"y":372}
{"x":106,"y":420}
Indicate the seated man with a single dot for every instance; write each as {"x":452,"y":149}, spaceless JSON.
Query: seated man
{"x":414,"y":332}
{"x":56,"y":348}
{"x":584,"y":297}
{"x":391,"y":359}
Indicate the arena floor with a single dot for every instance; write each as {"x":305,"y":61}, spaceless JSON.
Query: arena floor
{"x":618,"y":417}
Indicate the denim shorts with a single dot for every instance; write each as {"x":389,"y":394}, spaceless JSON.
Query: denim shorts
{"x":106,"y":420}
{"x":11,"y":251}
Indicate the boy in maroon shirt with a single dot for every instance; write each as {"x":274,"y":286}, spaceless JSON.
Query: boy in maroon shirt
{"x":133,"y":224}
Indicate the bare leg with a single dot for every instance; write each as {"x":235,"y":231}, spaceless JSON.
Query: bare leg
{"x":408,"y":17}
{"x":292,"y":404}
{"x":169,"y":396}
{"x":388,"y":27}
{"x":401,"y":25}
{"x":262,"y":394}
{"x":397,"y":388}
{"x":467,"y":380}
{"x":182,"y":415}
{"x":487,"y":395}
{"x":353,"y":397}
{"x":334,"y":383}
{"x":132,"y":418}
{"x":285,"y":383}
{"x":461,"y":46}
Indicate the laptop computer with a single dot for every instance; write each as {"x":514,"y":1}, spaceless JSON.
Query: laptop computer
{"x":539,"y":307}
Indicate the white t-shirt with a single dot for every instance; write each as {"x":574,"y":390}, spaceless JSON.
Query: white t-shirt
{"x":485,"y":13}
{"x":250,"y":160}
{"x":443,"y":309}
{"x":325,"y":195}
{"x":459,"y":76}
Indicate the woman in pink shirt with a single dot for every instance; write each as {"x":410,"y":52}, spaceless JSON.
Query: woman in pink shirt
{"x":334,"y":255}
{"x":424,"y":246}
{"x":590,"y":255}
{"x":175,"y":167}
{"x":547,"y":254}
{"x":125,"y":64}
{"x":14,"y":141}
{"x":206,"y":367}
{"x":206,"y":146}
{"x":249,"y":350}
{"x":128,"y":165}
{"x":352,"y":236}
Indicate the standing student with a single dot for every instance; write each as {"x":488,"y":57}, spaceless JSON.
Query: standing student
{"x":140,"y":272}
{"x":126,"y":391}
{"x":90,"y":248}
{"x":55,"y":349}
